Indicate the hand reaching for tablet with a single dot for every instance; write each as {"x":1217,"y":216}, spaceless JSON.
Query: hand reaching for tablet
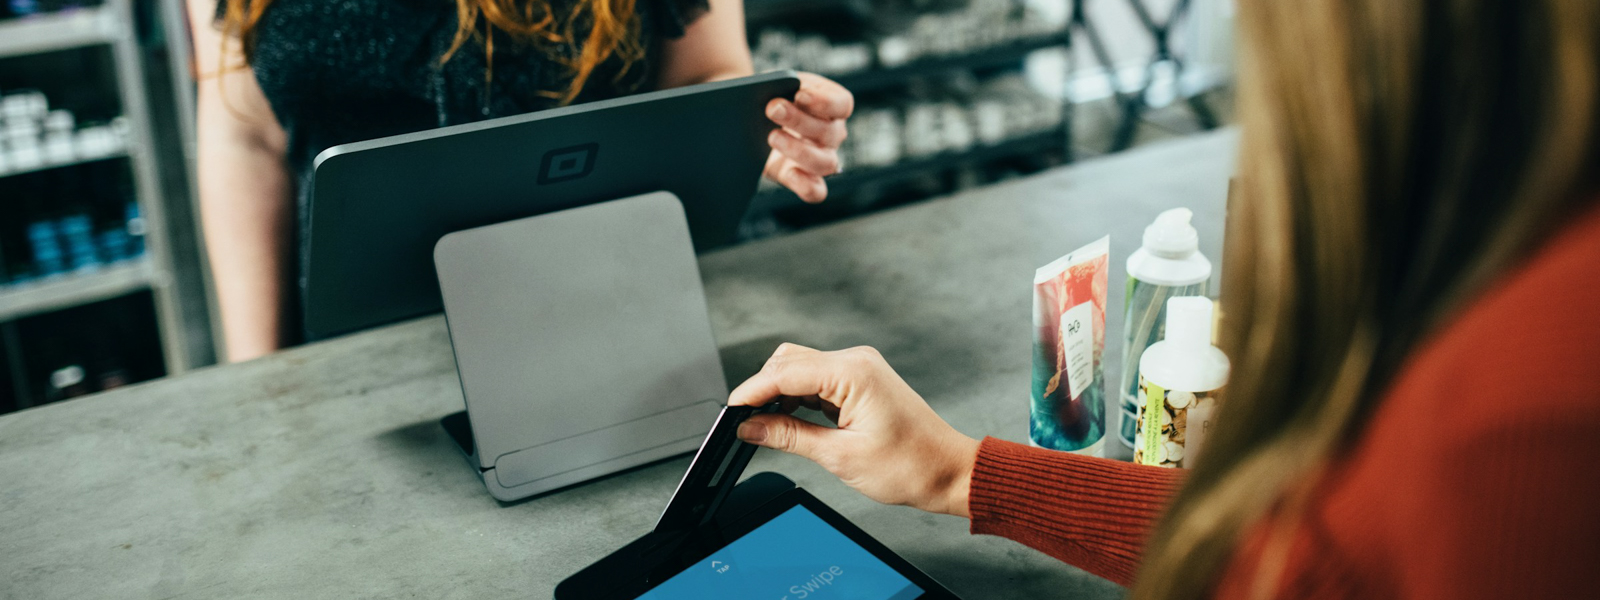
{"x":889,"y":444}
{"x":806,"y":146}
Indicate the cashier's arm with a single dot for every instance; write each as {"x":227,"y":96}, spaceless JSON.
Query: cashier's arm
{"x":806,"y":148}
{"x":245,"y":193}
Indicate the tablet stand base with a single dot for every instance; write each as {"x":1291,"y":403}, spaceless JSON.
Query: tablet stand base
{"x":583,"y":343}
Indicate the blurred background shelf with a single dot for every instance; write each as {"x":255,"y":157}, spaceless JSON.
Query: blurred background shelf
{"x":773,"y":198}
{"x":874,"y":80}
{"x":100,"y":278}
{"x":18,"y":300}
{"x":58,"y":31}
{"x":14,"y":171}
{"x":1029,"y":144}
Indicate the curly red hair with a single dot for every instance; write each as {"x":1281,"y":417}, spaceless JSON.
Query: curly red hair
{"x":602,"y":29}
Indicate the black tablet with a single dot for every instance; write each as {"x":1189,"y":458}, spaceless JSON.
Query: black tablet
{"x":793,"y":547}
{"x":796,"y":548}
{"x":762,"y":539}
{"x":378,"y":207}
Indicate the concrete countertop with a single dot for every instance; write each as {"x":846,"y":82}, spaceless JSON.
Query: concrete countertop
{"x":322,"y":472}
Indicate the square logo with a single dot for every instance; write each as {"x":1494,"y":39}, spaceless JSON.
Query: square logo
{"x":567,"y":164}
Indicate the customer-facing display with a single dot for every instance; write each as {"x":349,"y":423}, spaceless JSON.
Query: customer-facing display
{"x":764,"y":538}
{"x":796,"y":556}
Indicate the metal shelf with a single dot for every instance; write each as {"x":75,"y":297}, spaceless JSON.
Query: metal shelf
{"x":154,"y":159}
{"x":19,"y":300}
{"x":120,"y":153}
{"x":843,"y":184}
{"x":876,"y":79}
{"x":74,"y":28}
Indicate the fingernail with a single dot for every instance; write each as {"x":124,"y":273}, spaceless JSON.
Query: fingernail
{"x":802,"y":98}
{"x":777,"y":111}
{"x":752,"y":432}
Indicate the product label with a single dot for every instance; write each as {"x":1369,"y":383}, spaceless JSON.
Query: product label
{"x":1067,"y":409}
{"x":1077,"y":346}
{"x":1171,"y":425}
{"x":1151,"y":398}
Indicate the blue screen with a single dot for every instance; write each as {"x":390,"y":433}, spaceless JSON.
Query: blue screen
{"x":796,"y":556}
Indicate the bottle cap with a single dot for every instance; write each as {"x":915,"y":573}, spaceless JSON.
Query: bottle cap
{"x":1171,"y":235}
{"x":1189,"y":321}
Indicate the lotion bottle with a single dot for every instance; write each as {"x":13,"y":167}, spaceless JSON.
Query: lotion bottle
{"x":1168,"y":265}
{"x":1179,"y":378}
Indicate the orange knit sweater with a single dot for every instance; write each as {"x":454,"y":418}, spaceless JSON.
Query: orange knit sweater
{"x":1475,"y":478}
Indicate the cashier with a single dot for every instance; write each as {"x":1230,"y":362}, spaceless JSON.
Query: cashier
{"x":283,"y":80}
{"x":1409,"y":288}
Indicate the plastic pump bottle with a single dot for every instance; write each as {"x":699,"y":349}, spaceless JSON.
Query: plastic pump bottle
{"x":1168,"y":265}
{"x":1178,"y":381}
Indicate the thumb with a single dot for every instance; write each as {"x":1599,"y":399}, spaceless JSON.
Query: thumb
{"x":786,"y":433}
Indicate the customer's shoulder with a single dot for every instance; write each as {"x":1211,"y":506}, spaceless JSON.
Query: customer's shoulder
{"x":1528,"y":344}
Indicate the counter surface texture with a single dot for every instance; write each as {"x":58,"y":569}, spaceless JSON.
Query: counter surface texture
{"x":322,"y":472}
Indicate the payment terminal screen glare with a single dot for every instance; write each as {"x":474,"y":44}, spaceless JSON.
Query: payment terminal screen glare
{"x":796,"y":556}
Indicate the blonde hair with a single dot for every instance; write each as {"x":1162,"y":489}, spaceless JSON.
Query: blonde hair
{"x":1396,"y":156}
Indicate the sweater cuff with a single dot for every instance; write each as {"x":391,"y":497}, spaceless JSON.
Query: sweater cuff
{"x":1092,"y":513}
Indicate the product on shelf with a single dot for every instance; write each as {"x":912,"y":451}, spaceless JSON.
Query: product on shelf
{"x":87,"y":349}
{"x":69,"y":220}
{"x":990,"y":113}
{"x":48,"y":259}
{"x":780,"y":48}
{"x":67,"y":382}
{"x":981,"y":25}
{"x":874,"y":138}
{"x":33,"y":137}
{"x":78,"y":239}
{"x":136,"y":230}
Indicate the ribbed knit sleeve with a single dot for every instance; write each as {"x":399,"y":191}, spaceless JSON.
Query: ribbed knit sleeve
{"x":1092,"y":513}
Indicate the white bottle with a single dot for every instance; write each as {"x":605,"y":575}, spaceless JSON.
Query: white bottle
{"x":1179,"y":378}
{"x":1168,"y":265}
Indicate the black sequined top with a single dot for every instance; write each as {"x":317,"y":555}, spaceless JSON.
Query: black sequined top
{"x":340,"y":71}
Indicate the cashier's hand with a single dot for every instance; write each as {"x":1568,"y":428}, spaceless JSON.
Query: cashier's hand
{"x":889,"y":444}
{"x":805,"y":148}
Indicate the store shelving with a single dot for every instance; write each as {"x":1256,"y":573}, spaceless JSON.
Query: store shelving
{"x":18,"y":300}
{"x":873,"y":80}
{"x":938,"y":71}
{"x":1023,"y":145}
{"x":59,"y":31}
{"x":776,"y":198}
{"x":10,"y":170}
{"x":107,"y":60}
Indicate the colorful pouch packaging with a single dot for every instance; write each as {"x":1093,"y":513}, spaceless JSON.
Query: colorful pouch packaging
{"x":1069,"y":322}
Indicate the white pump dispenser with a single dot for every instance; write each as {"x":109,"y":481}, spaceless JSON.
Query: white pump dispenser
{"x":1186,"y":360}
{"x":1171,"y":252}
{"x":1178,"y":378}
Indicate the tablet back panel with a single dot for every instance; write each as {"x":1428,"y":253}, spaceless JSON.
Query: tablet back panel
{"x":582,"y":340}
{"x":377,"y":207}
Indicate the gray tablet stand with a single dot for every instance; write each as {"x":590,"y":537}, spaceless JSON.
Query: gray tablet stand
{"x":582,"y":342}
